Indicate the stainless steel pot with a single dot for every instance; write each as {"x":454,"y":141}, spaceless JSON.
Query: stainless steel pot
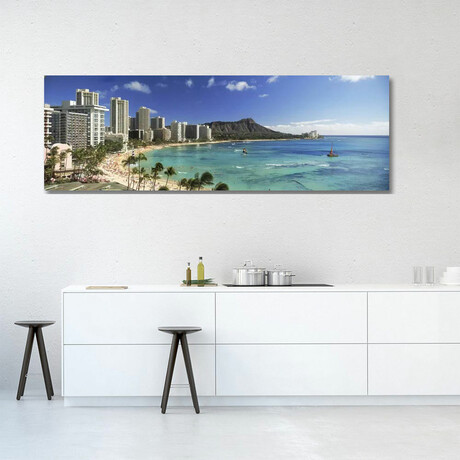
{"x":249,"y":275}
{"x":279,"y":277}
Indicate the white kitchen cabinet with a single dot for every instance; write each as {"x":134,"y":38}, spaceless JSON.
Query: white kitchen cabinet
{"x":414,"y":317}
{"x":134,"y":370}
{"x":264,"y":345}
{"x":134,"y":318}
{"x":414,"y":369}
{"x":291,"y":317}
{"x":271,"y":370}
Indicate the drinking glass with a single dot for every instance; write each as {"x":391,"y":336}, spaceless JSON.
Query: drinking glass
{"x":429,"y":275}
{"x":418,"y":275}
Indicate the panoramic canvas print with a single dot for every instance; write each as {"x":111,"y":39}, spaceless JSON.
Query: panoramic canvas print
{"x":217,"y":133}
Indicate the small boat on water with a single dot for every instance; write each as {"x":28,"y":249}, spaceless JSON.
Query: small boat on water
{"x":331,"y":153}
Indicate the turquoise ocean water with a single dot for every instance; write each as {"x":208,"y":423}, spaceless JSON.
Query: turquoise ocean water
{"x":362,"y":165}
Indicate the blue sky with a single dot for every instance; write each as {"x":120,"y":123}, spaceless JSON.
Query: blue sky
{"x":353,"y":105}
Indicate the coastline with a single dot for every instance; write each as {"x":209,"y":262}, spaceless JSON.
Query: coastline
{"x":114,"y":171}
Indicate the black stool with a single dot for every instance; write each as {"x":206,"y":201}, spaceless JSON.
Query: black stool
{"x":35,"y":328}
{"x":179,"y":334}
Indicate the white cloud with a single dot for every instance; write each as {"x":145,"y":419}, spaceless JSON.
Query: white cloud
{"x":189,"y":83}
{"x":330,"y":127}
{"x":211,"y":82}
{"x":138,"y":86}
{"x":102,"y":93}
{"x":356,"y":78}
{"x":272,"y":79}
{"x":114,"y":88}
{"x":263,"y":95}
{"x":239,"y":86}
{"x":312,"y":122}
{"x":161,"y":85}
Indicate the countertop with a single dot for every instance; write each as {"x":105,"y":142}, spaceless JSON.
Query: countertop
{"x":221,"y":288}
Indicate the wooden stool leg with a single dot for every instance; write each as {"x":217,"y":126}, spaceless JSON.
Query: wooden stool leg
{"x":169,"y":372}
{"x":25,"y":363}
{"x":44,"y":361}
{"x":188,"y":367}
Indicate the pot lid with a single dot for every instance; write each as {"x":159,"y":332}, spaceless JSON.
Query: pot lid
{"x":248,"y":265}
{"x":279,"y":269}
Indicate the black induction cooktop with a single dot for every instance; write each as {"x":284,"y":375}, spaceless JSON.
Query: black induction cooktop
{"x":292,"y":285}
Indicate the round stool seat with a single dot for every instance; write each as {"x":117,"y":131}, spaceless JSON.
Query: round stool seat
{"x":34,"y":323}
{"x":179,"y":330}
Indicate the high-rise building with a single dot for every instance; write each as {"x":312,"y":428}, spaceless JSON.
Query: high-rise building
{"x":205,"y":132}
{"x":162,"y":134}
{"x":119,"y":116}
{"x":48,"y":114}
{"x":176,"y":131}
{"x":192,"y":132}
{"x":132,"y":123}
{"x":87,"y":97}
{"x":157,"y":122}
{"x":184,"y":129}
{"x":96,"y":118}
{"x":70,"y":128}
{"x":143,"y":118}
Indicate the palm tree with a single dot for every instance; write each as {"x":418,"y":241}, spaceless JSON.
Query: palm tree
{"x":145,"y":178}
{"x":141,"y":173}
{"x":170,"y":171}
{"x":205,"y":179}
{"x":134,"y":171}
{"x":130,"y":160}
{"x":193,"y":183}
{"x":182,"y":183}
{"x":50,"y":163}
{"x":154,"y":175}
{"x":140,"y":157}
{"x":221,"y":186}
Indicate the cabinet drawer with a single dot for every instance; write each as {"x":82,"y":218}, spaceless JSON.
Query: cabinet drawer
{"x":288,"y":370}
{"x":291,"y":317}
{"x":134,"y":370}
{"x":414,"y":317}
{"x":122,"y":318}
{"x":414,"y":369}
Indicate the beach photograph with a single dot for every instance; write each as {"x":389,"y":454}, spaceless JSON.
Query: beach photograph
{"x":217,"y":133}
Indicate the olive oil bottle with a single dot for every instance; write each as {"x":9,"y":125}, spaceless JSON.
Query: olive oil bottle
{"x":200,"y":272}
{"x":188,"y":275}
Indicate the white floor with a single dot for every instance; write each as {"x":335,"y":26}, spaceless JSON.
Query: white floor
{"x":36,"y":429}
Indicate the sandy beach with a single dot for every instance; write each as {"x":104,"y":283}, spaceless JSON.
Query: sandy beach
{"x":114,"y":171}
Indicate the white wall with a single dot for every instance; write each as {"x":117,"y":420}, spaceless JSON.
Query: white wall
{"x":48,"y":241}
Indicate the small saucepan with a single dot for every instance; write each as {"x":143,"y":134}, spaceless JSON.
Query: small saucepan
{"x":279,"y":277}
